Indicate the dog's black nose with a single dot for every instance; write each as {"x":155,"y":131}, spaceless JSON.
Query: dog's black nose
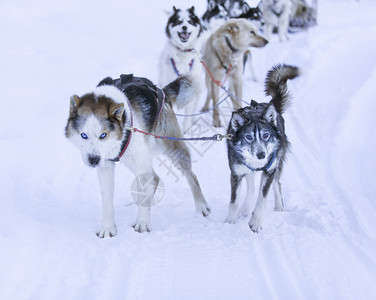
{"x":94,"y":160}
{"x":185,"y":28}
{"x":260,"y":155}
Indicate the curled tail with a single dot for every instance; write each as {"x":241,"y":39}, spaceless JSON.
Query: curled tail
{"x":275,"y":85}
{"x":180,"y":91}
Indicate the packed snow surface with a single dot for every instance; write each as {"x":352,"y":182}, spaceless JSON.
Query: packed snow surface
{"x":322,"y":246}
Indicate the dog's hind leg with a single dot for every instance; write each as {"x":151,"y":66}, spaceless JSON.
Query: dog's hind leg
{"x":180,"y":157}
{"x":106,"y":184}
{"x":246,"y":206}
{"x":234,"y":202}
{"x":147,"y":184}
{"x":256,"y":221}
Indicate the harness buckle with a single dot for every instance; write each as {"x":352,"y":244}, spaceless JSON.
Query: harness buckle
{"x":218,"y":137}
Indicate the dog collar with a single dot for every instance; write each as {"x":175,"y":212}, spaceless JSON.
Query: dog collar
{"x":233,"y":49}
{"x":185,"y":50}
{"x":127,"y":138}
{"x":266,"y":167}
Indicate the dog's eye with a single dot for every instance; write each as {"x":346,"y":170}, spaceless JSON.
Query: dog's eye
{"x":253,"y":33}
{"x":176,"y":23}
{"x":84,"y":136}
{"x":248,"y":137}
{"x":265,"y":136}
{"x":103,"y":135}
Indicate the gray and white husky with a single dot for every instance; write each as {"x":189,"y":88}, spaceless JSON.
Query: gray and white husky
{"x":100,"y":125}
{"x":259,"y":143}
{"x":277,"y":14}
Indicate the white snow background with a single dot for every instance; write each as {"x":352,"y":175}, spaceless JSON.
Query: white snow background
{"x":321,"y":247}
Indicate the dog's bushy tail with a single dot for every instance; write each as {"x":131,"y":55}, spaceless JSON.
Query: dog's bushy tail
{"x":275,"y":85}
{"x":180,"y":91}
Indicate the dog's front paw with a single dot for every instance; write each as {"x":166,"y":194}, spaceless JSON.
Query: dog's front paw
{"x":142,"y":227}
{"x":244,"y":211}
{"x":204,"y":109}
{"x":203,"y":209}
{"x":255,"y":223}
{"x":230,"y":220}
{"x":217,"y":123}
{"x":109,"y":231}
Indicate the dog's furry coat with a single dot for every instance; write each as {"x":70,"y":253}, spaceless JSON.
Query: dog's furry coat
{"x":179,"y":56}
{"x":277,"y":14}
{"x":259,"y":143}
{"x":99,"y":125}
{"x":223,"y":55}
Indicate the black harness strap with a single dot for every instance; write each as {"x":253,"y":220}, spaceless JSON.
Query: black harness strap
{"x":278,"y":14}
{"x":121,"y":83}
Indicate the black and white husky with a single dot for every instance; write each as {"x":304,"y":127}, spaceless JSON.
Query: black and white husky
{"x":102,"y":124}
{"x":179,"y":55}
{"x":259,"y":143}
{"x":227,"y":9}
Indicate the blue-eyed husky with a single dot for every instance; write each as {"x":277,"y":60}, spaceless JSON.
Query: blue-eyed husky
{"x":259,"y":143}
{"x":100,"y":124}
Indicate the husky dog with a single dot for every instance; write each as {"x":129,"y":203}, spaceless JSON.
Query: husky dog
{"x":259,"y":143}
{"x":222,"y":10}
{"x":179,"y":54}
{"x":101,"y":124}
{"x":226,"y":9}
{"x":303,"y":15}
{"x":277,"y":14}
{"x":223,"y":55}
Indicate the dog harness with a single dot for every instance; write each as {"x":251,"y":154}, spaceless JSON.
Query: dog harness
{"x":277,"y":14}
{"x":160,"y":99}
{"x":176,"y":69}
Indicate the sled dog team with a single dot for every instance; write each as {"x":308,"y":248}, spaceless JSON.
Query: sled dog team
{"x":113,"y":122}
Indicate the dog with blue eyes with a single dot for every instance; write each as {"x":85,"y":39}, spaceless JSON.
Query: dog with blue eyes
{"x":117,"y":122}
{"x":259,"y":144}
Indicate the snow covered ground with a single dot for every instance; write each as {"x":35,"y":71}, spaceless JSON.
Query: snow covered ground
{"x":323,"y":246}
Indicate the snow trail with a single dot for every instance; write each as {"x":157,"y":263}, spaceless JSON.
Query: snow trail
{"x":321,"y":247}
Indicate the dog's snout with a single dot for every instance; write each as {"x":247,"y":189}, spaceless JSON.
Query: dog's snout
{"x":94,"y":160}
{"x":185,"y":28}
{"x":260,"y":155}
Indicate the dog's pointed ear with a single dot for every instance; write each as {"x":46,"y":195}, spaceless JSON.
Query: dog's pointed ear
{"x":271,"y":115}
{"x":237,"y":121}
{"x":75,"y":101}
{"x":116,"y":111}
{"x":233,"y":28}
{"x":253,"y":103}
{"x":192,"y":10}
{"x":175,"y":10}
{"x":212,"y":5}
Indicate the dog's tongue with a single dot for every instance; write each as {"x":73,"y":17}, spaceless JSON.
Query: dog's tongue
{"x":184,"y":36}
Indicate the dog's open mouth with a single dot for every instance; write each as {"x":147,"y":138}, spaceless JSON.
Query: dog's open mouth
{"x":184,"y":36}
